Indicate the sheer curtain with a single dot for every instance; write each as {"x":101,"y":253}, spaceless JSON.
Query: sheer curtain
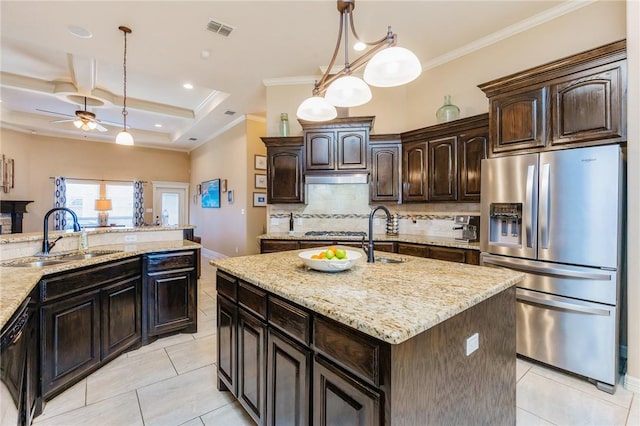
{"x":138,"y":203}
{"x":59,"y":200}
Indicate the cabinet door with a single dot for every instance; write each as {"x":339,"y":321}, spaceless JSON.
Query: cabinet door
{"x":251,"y":365}
{"x":418,"y":250}
{"x":472,"y":149}
{"x":384,"y":183}
{"x":288,"y":382}
{"x":518,"y":121}
{"x":272,"y":246}
{"x":121,"y":326}
{"x":172,"y":301}
{"x":227,"y":320}
{"x":339,"y":399}
{"x":70,"y":343}
{"x":448,"y":254}
{"x":352,"y":150}
{"x":443,"y":179}
{"x":320,"y":147}
{"x":284,"y":175}
{"x":414,"y":165}
{"x":589,"y":106}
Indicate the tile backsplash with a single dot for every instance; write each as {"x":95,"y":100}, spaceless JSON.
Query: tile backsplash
{"x":345,"y":207}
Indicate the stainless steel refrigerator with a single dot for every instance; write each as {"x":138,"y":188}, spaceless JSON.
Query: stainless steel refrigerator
{"x":558,"y":217}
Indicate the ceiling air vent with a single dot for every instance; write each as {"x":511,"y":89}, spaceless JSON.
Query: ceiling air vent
{"x":228,"y":112}
{"x":219,"y":27}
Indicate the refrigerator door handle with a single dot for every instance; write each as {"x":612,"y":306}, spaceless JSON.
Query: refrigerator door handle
{"x":530,"y":203}
{"x":545,"y":205}
{"x":545,"y":270}
{"x":562,"y":305}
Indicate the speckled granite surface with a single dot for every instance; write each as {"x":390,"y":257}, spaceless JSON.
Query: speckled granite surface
{"x":17,"y":282}
{"x":404,"y":238}
{"x":392,"y":302}
{"x":35,"y":236}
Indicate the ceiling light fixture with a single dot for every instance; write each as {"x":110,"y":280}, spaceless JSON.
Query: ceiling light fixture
{"x":124,"y":137}
{"x":384,"y":68}
{"x":188,"y":86}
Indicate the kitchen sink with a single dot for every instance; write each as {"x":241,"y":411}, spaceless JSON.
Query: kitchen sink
{"x":88,"y":255}
{"x":390,"y":260}
{"x":42,"y":262}
{"x":37,"y":263}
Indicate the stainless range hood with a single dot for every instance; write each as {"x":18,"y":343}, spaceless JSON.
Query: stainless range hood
{"x":336,"y":178}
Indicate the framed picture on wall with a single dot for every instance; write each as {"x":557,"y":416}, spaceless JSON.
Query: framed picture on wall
{"x":211,"y":194}
{"x":230,"y":196}
{"x":261,"y":181}
{"x":223,"y":185}
{"x":259,"y":199}
{"x":260,"y":162}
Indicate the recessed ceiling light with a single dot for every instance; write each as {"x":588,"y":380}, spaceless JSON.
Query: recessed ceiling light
{"x":205,"y":54}
{"x":158,"y":125}
{"x":79,"y":31}
{"x":359,"y":46}
{"x":188,"y":86}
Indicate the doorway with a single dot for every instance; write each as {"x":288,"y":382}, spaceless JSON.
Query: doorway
{"x":171,"y":197}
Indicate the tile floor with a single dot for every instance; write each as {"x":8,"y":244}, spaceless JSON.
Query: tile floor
{"x":172,"y":382}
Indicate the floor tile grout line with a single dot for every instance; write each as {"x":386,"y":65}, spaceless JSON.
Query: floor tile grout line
{"x":171,"y":361}
{"x":538,"y":416}
{"x":140,"y":408}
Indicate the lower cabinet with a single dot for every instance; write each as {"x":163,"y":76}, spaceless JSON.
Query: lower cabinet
{"x":450,"y":254}
{"x":288,"y":381}
{"x":170,"y":292}
{"x":120,"y":310}
{"x":227,"y":319}
{"x":340,"y":399}
{"x":251,"y":365}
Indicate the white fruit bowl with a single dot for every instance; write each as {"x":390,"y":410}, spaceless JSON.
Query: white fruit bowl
{"x":333,"y":265}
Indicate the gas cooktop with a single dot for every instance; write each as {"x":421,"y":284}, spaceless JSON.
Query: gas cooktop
{"x":335,"y":234}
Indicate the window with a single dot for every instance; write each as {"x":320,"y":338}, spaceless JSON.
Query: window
{"x":82,"y":195}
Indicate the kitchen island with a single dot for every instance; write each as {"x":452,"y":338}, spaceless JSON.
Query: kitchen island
{"x":419,"y":342}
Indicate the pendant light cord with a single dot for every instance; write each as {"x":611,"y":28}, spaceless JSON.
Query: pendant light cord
{"x":124,"y":101}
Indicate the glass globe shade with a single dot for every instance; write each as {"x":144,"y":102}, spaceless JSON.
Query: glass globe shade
{"x":391,"y":67}
{"x":92,"y":125}
{"x":316,"y":108}
{"x":77,"y":123}
{"x":124,"y":138}
{"x":348,"y":91}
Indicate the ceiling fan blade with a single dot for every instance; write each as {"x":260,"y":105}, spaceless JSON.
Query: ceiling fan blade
{"x":63,"y":121}
{"x":101,"y":128}
{"x":110,"y":123}
{"x":54,"y":113}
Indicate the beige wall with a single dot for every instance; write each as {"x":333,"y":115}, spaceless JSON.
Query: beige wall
{"x":232,"y":229}
{"x":414,"y":105}
{"x":39,"y":157}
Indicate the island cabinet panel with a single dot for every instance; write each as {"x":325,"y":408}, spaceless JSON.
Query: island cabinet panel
{"x":71,"y":340}
{"x":338,"y":399}
{"x":170,"y":292}
{"x":290,"y":319}
{"x":226,"y":320}
{"x":288,"y":381}
{"x":88,"y":317}
{"x":253,"y":299}
{"x":252,"y":377}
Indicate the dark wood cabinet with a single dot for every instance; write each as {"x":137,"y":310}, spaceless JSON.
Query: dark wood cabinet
{"x":419,"y":250}
{"x":170,"y":292}
{"x":339,"y":399}
{"x":285,"y":165}
{"x":443,"y":169}
{"x":288,"y":381}
{"x":352,"y":149}
{"x":251,"y":365}
{"x":226,"y":320}
{"x":272,"y":246}
{"x":320,"y":148}
{"x":70,"y":340}
{"x":575,"y":101}
{"x":450,"y":254}
{"x":472,"y":149}
{"x":442,"y":162}
{"x":414,"y":172}
{"x":384,"y":182}
{"x":88,"y":317}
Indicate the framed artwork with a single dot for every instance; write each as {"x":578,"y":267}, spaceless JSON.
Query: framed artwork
{"x":199,"y":189}
{"x":223,"y":185}
{"x":230,"y":196}
{"x":261,"y":181}
{"x":260,"y":162}
{"x":259,"y":199}
{"x":211,"y":194}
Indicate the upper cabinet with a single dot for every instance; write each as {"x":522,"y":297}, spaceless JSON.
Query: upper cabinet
{"x":338,"y":145}
{"x":576,"y":101}
{"x":442,"y":162}
{"x":385,"y":160}
{"x":285,"y":161}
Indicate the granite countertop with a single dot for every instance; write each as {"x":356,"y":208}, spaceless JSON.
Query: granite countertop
{"x":392,"y":302}
{"x":17,"y":282}
{"x":403,"y":238}
{"x":35,"y":236}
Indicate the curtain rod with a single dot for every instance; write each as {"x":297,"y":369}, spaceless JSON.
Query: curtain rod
{"x":98,"y":180}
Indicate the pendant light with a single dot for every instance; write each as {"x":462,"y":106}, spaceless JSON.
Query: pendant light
{"x":386,"y":66}
{"x":124,"y":137}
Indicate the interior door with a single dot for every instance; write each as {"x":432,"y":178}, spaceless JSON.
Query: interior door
{"x":579,"y":219}
{"x":172,"y":197}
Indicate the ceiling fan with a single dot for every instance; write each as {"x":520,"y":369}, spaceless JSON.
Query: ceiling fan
{"x":83,"y":119}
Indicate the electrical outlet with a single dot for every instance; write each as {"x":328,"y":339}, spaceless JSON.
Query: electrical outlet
{"x":376,"y":221}
{"x":298,"y":221}
{"x":473,"y":343}
{"x":149,"y":210}
{"x":274,"y":221}
{"x":130,"y":238}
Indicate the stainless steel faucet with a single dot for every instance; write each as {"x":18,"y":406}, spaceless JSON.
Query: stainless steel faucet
{"x":46,"y":245}
{"x":369,"y":248}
